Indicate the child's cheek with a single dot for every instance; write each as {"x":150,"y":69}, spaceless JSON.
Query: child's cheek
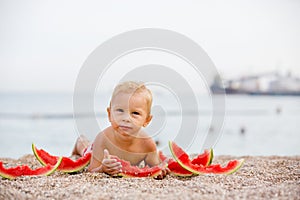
{"x":137,"y":123}
{"x":115,"y":118}
{"x":114,"y":124}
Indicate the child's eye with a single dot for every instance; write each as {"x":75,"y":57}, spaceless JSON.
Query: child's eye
{"x":119,"y":110}
{"x":136,"y":113}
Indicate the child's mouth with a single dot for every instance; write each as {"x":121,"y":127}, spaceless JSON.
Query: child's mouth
{"x":125,"y":128}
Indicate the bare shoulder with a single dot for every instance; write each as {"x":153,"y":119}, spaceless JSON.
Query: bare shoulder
{"x":99,"y":145}
{"x":100,"y":139}
{"x":148,"y":143}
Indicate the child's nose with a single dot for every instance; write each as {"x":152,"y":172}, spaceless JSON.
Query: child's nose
{"x":126,"y":117}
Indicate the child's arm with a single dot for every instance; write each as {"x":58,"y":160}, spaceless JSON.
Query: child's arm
{"x":152,"y":159}
{"x":101,"y":160}
{"x":108,"y":165}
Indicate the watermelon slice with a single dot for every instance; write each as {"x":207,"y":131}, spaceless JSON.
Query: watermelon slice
{"x":177,"y":170}
{"x":130,"y":171}
{"x":184,"y":161}
{"x":67,"y":165}
{"x":204,"y":159}
{"x":24,"y":170}
{"x":174,"y":167}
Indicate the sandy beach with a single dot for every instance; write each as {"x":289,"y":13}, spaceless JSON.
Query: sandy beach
{"x":270,"y":177}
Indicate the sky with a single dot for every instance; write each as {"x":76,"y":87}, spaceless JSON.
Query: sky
{"x":43,"y":44}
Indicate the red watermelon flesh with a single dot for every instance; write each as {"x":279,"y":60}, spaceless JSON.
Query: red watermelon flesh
{"x":231,"y":167}
{"x":204,"y":159}
{"x":177,"y":170}
{"x":174,"y":167}
{"x":67,"y":165}
{"x":24,"y":170}
{"x":161,"y":156}
{"x":183,"y":159}
{"x":130,"y":171}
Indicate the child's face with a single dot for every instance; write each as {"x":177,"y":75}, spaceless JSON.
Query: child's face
{"x":128,"y":113}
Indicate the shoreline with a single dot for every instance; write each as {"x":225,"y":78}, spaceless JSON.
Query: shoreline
{"x":261,"y":177}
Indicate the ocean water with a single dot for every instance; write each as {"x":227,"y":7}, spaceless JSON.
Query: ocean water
{"x":253,"y":125}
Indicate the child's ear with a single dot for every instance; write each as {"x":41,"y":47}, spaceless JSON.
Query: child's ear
{"x":148,"y":120}
{"x":108,"y":113}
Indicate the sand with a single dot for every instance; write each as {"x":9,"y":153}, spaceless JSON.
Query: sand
{"x":271,"y":177}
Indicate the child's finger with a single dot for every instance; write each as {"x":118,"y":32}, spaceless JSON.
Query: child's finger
{"x":110,"y":163}
{"x":117,"y":168}
{"x":105,"y":154}
{"x":113,"y":157}
{"x":114,"y":165}
{"x":168,"y":171}
{"x":115,"y":172}
{"x":112,"y":170}
{"x":165,"y":172}
{"x":159,"y":177}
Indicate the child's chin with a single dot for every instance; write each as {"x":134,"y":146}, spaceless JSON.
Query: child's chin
{"x":124,"y":133}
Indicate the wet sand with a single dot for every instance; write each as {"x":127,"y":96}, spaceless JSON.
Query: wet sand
{"x":271,"y":177}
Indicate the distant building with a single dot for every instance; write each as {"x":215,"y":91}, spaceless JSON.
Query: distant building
{"x":264,"y":84}
{"x":285,"y":84}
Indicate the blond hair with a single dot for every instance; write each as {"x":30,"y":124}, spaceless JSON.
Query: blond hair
{"x":133,"y":87}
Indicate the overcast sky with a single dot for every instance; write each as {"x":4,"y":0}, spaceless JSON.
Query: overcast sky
{"x":43,"y":44}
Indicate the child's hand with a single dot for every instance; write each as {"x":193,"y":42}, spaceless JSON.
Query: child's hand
{"x":163,"y":173}
{"x":109,"y":164}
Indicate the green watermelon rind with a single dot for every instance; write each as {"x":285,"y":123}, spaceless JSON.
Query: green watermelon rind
{"x":211,"y":156}
{"x":194,"y":174}
{"x":241,"y":161}
{"x":180,"y":163}
{"x":65,"y":170}
{"x":182,"y":174}
{"x":7,"y":176}
{"x":46,"y":173}
{"x":178,"y":173}
{"x":55,"y":166}
{"x":163,"y":158}
{"x":77,"y":169}
{"x":36,"y":155}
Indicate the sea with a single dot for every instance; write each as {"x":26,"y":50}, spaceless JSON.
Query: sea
{"x":252,"y":125}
